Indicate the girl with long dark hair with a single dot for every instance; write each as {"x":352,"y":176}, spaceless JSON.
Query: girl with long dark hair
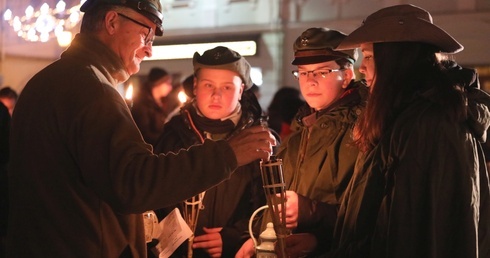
{"x":420,"y":187}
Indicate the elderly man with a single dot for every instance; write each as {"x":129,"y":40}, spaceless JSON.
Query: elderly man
{"x":80,"y":173}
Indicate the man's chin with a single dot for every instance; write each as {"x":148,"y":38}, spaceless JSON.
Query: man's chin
{"x":133,"y":69}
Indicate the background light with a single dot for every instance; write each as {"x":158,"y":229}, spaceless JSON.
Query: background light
{"x":46,"y":23}
{"x":185,"y":51}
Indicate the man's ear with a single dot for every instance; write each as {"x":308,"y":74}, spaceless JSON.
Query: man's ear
{"x":111,"y":20}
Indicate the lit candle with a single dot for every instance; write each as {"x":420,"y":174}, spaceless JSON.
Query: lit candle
{"x":129,"y":95}
{"x":182,"y":97}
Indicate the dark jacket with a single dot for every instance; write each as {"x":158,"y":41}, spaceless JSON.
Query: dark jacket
{"x":80,"y":174}
{"x":148,"y":116}
{"x":319,"y":158}
{"x":231,"y":203}
{"x":423,"y":190}
{"x":4,"y":158}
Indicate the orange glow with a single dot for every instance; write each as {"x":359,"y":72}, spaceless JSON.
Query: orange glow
{"x":182,"y":97}
{"x":129,"y":92}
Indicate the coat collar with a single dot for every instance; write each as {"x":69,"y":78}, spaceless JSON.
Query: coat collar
{"x":90,"y":50}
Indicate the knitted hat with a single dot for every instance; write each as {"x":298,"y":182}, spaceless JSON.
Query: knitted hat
{"x":151,"y":9}
{"x":226,"y":59}
{"x":316,"y":45}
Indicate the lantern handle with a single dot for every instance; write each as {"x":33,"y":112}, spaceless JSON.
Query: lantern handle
{"x":250,"y":222}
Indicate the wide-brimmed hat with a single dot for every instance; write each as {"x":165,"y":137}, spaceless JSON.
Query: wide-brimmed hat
{"x":151,"y":9}
{"x":226,"y":59}
{"x":401,"y":23}
{"x":316,"y":45}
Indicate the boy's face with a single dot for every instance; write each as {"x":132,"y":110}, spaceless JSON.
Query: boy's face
{"x":217,"y":92}
{"x":320,"y":91}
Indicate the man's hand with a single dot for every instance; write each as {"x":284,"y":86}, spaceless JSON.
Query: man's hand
{"x":211,"y":242}
{"x":251,"y":144}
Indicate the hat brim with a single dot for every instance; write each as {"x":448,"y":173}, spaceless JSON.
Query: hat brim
{"x":395,"y":29}
{"x":314,"y":59}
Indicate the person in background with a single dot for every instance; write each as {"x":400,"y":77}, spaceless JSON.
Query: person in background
{"x":177,"y":97}
{"x":80,"y":174}
{"x":222,"y":105}
{"x":282,"y":109}
{"x":188,"y":85}
{"x":318,"y":159}
{"x":420,"y":187}
{"x":9,"y":98}
{"x":256,"y":90}
{"x":150,"y":107}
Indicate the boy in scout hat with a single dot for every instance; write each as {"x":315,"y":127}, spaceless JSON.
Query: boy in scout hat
{"x":222,"y":106}
{"x":317,"y":181}
{"x":421,"y":187}
{"x":80,"y":173}
{"x":318,"y":158}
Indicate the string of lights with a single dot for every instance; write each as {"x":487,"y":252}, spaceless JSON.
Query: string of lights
{"x":46,"y":23}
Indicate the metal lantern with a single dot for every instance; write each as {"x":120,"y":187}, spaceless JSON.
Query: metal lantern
{"x":192,"y":207}
{"x":275,"y":192}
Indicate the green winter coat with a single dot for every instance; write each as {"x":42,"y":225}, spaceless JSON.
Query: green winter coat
{"x":319,"y":158}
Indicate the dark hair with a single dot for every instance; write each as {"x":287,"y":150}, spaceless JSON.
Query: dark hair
{"x":156,"y":73}
{"x":344,"y":63}
{"x":283,"y":107}
{"x":188,"y":85}
{"x":7,"y":92}
{"x":402,"y":70}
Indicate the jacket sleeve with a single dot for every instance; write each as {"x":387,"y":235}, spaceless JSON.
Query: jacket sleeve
{"x":137,"y":180}
{"x":318,"y":218}
{"x":431,"y":185}
{"x":478,"y":111}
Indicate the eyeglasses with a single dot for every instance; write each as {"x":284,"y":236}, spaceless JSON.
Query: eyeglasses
{"x":322,"y":72}
{"x":148,"y":39}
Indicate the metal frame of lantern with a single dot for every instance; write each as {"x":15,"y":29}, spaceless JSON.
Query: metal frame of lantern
{"x":275,"y":192}
{"x":191,"y":210}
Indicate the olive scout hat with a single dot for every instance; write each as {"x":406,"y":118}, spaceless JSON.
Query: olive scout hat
{"x":225,"y":59}
{"x":316,"y":45}
{"x":151,"y":9}
{"x":401,"y":23}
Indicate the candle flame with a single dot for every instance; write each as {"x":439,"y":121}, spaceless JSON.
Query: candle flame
{"x":182,"y":97}
{"x":129,"y":92}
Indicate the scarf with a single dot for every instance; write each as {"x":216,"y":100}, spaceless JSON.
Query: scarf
{"x":215,"y":126}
